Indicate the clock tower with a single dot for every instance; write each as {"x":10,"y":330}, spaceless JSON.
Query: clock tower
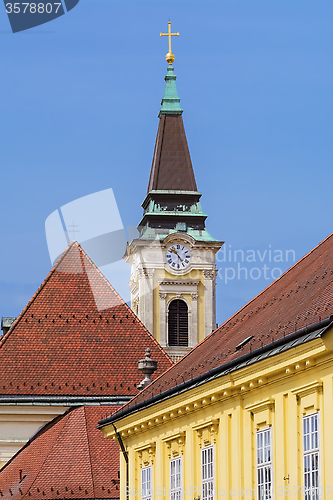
{"x":173,"y":272}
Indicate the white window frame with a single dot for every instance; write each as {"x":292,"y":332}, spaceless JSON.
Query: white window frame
{"x":176,"y":478}
{"x":146,"y":482}
{"x":264,"y":464}
{"x":311,"y":456}
{"x":207,"y":472}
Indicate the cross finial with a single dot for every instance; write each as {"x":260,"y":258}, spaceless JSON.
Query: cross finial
{"x":170,"y":56}
{"x":71,"y":229}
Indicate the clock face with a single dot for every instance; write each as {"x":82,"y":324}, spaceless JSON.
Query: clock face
{"x":178,"y":257}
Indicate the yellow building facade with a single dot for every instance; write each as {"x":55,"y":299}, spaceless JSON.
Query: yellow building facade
{"x":262,"y":429}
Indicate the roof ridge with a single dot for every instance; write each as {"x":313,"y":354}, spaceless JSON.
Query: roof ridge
{"x":83,"y":254}
{"x":48,"y":454}
{"x":99,"y":272}
{"x":40,"y":431}
{"x":229,"y":319}
{"x":37,"y":292}
{"x":322,"y":327}
{"x":268,"y":286}
{"x":123,"y":302}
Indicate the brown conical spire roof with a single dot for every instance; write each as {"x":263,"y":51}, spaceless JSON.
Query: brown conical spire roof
{"x":172,"y":167}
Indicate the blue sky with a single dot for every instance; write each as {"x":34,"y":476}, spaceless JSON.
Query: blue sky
{"x":79,"y":103}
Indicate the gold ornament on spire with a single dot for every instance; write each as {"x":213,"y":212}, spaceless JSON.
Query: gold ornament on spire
{"x":170,"y":56}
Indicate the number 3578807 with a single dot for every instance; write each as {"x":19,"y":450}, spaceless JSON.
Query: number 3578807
{"x":32,"y":8}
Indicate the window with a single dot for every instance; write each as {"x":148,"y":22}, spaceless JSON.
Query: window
{"x":176,"y":478}
{"x":178,"y":324}
{"x":146,"y":483}
{"x":311,"y":456}
{"x":264,"y":464}
{"x":207,"y":460}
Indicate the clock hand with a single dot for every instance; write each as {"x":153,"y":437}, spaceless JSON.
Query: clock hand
{"x":175,"y":251}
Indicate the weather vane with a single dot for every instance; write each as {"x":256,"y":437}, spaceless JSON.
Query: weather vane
{"x":170,"y":56}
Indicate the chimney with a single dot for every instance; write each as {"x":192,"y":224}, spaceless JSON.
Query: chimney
{"x":147,"y":366}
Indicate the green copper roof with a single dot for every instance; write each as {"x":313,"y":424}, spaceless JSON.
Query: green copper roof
{"x":150,"y":233}
{"x":170,"y":101}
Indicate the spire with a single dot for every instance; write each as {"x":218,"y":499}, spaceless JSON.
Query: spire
{"x":172,"y":203}
{"x":170,"y":101}
{"x":172,"y":167}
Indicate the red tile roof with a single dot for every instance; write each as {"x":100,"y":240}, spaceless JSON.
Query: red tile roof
{"x":76,"y":337}
{"x":68,"y":458}
{"x":302,"y":296}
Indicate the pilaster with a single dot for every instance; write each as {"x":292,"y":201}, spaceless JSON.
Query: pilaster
{"x":209,"y":297}
{"x":193,"y":338}
{"x":146,"y":297}
{"x":163,"y":319}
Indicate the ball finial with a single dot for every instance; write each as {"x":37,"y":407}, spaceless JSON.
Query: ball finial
{"x":170,"y":57}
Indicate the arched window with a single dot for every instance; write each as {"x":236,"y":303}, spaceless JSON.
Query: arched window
{"x":178,"y":324}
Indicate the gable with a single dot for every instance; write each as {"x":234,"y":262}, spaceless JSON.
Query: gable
{"x":76,"y":337}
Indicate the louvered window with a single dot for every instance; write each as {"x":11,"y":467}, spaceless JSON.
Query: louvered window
{"x":178,"y":324}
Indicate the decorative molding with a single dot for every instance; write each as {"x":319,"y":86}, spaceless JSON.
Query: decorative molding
{"x":178,"y":237}
{"x":262,"y":412}
{"x":181,"y":297}
{"x":145,"y":272}
{"x":265,"y":404}
{"x":163,"y":295}
{"x":194,"y":296}
{"x":134,"y":289}
{"x":146,"y":453}
{"x":176,"y":353}
{"x":209,"y":274}
{"x":206,"y":423}
{"x":308,"y":396}
{"x":307,"y":389}
{"x":179,"y":282}
{"x":175,"y":443}
{"x":145,"y":446}
{"x":207,"y":431}
{"x":173,"y":436}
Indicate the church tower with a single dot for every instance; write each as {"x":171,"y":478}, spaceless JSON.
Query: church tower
{"x":173,"y":272}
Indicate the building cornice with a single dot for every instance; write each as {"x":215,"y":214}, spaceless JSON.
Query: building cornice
{"x":179,"y":281}
{"x":63,"y":400}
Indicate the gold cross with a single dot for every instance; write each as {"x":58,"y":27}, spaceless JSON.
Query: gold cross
{"x":170,"y":56}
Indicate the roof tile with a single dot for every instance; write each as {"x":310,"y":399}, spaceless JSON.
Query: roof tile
{"x":302,"y":296}
{"x":76,"y":336}
{"x":68,"y":458}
